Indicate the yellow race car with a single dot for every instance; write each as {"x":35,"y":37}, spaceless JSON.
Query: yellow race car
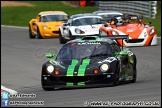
{"x":47,"y":24}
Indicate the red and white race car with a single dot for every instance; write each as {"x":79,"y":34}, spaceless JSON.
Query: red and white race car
{"x":140,"y":33}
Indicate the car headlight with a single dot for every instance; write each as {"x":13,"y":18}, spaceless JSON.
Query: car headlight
{"x":50,"y":68}
{"x":152,"y":31}
{"x":104,"y":67}
{"x":114,"y":32}
{"x":45,"y":27}
{"x":78,"y":31}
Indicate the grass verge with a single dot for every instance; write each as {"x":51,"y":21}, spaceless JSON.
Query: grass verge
{"x":21,"y":15}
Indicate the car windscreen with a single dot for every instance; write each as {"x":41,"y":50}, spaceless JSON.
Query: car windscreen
{"x":86,"y":21}
{"x":54,"y":17}
{"x":80,"y":50}
{"x":106,"y":16}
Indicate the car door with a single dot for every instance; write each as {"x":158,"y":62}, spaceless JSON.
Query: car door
{"x":122,"y":60}
{"x":126,"y":66}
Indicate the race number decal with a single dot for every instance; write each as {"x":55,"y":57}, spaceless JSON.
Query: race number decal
{"x":110,"y":59}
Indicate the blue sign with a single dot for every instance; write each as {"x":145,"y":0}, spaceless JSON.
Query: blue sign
{"x":4,"y":102}
{"x":5,"y":95}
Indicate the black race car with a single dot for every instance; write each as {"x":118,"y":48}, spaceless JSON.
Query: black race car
{"x":89,"y":62}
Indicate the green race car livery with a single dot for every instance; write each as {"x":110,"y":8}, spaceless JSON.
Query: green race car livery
{"x":89,"y":62}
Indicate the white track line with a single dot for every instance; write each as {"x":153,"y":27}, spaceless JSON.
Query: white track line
{"x":8,"y":90}
{"x":15,"y":26}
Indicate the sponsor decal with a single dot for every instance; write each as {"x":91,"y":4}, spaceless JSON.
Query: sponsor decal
{"x":69,"y":84}
{"x":81,"y":70}
{"x":89,"y":43}
{"x":82,"y":67}
{"x":91,"y":30}
{"x":81,"y":83}
{"x":71,"y":67}
{"x":56,"y":64}
{"x":78,"y":84}
{"x":130,"y":30}
{"x":109,"y":59}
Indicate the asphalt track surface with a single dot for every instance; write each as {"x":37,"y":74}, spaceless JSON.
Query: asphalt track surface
{"x":22,"y":58}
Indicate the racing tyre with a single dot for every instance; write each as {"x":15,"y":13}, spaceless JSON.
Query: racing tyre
{"x":71,"y":37}
{"x":30,"y":33}
{"x":47,"y":89}
{"x":116,"y":76}
{"x":61,"y":39}
{"x":39,"y":36}
{"x":134,"y":75}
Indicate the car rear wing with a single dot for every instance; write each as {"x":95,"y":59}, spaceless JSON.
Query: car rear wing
{"x":114,"y":37}
{"x":81,"y":36}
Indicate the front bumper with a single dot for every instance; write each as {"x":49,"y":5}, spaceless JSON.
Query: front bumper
{"x":147,"y":41}
{"x":77,"y":81}
{"x":50,"y":33}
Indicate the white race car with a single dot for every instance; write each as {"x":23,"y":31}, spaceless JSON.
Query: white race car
{"x":80,"y":25}
{"x":107,"y":13}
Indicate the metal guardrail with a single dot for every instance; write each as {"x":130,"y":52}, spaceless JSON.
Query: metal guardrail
{"x":145,"y":8}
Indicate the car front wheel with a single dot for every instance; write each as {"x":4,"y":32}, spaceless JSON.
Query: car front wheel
{"x":116,"y":76}
{"x":134,"y":75}
{"x":30,"y":33}
{"x":39,"y":36}
{"x":61,"y":39}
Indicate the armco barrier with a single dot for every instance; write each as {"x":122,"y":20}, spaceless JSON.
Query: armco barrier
{"x":145,"y":8}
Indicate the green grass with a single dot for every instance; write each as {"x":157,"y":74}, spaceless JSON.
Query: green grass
{"x":21,"y":15}
{"x":156,"y":22}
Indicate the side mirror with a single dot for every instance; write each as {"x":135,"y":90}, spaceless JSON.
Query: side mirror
{"x":65,"y":21}
{"x":65,"y":24}
{"x":50,"y":55}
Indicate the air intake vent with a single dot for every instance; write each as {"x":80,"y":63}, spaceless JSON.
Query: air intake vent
{"x":89,"y":38}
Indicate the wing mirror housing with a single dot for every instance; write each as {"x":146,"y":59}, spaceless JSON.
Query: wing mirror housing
{"x":65,"y":24}
{"x":50,"y":55}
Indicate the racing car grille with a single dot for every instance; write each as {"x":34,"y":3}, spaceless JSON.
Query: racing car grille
{"x":55,"y":32}
{"x":76,"y":79}
{"x":135,"y":40}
